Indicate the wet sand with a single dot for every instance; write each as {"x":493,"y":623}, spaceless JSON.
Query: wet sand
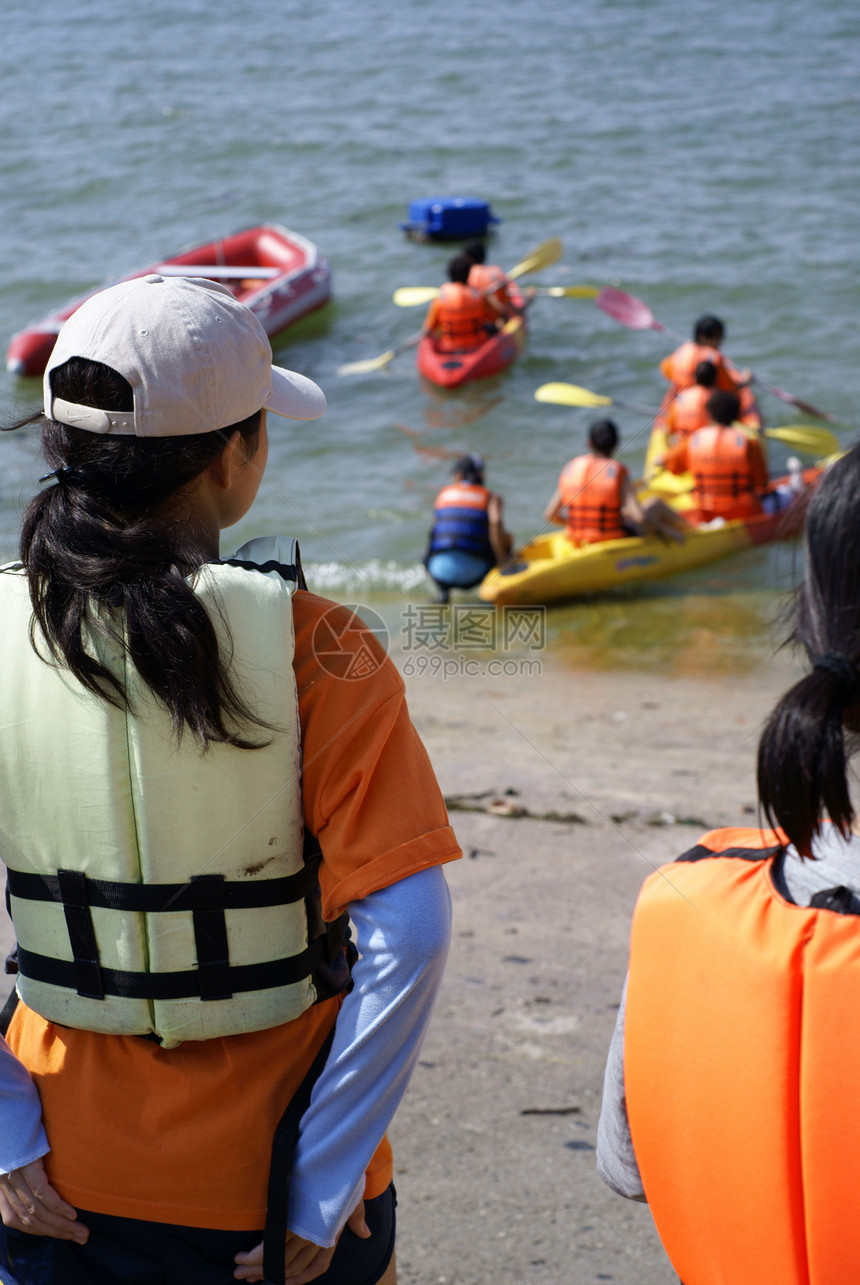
{"x":604,"y":776}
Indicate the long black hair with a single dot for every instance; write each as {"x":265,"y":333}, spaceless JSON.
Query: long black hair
{"x":109,"y":536}
{"x":808,"y":739}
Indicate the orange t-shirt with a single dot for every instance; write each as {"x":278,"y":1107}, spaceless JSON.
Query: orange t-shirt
{"x":184,"y":1135}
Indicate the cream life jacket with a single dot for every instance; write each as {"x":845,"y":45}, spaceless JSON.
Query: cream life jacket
{"x":156,"y":890}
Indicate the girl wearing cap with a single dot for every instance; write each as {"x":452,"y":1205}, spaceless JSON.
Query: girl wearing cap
{"x":194,"y":803}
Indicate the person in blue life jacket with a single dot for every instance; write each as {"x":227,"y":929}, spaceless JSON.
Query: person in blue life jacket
{"x":468,"y":537}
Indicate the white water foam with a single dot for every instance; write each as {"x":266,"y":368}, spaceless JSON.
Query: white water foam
{"x":325,"y":577}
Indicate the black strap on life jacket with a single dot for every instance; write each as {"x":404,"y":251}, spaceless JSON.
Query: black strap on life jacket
{"x":840,"y":900}
{"x":286,"y":570}
{"x":278,"y":1198}
{"x":702,"y":853}
{"x":207,"y":897}
{"x":7,"y":1011}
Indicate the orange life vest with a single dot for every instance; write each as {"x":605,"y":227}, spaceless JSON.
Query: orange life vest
{"x":488,"y":278}
{"x":686,"y":412}
{"x":590,"y":488}
{"x":461,"y":314}
{"x":742,"y":1058}
{"x":680,"y":366}
{"x":724,"y":485}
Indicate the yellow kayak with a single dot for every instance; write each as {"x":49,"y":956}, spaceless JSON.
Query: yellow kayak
{"x":659,"y":481}
{"x":550,"y":568}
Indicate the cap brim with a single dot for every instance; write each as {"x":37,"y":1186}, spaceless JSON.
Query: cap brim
{"x":295,"y":396}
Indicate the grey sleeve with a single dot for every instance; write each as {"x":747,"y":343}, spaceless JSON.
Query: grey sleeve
{"x":616,"y":1161}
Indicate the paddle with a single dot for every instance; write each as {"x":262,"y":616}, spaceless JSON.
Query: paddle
{"x":547,"y":253}
{"x":801,"y":437}
{"x":573,"y":395}
{"x":378,"y":363}
{"x":636,"y":315}
{"x":541,"y":257}
{"x":221,"y":271}
{"x":411,"y":296}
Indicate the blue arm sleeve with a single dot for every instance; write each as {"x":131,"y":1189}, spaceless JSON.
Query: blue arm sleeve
{"x":22,"y":1135}
{"x":403,"y":937}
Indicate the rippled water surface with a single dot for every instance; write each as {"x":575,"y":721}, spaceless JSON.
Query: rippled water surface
{"x":702,"y":156}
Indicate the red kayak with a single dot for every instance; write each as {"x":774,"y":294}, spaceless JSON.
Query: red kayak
{"x":451,"y":369}
{"x":279,"y":274}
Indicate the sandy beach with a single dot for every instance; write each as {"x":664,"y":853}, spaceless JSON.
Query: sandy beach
{"x":565,"y":790}
{"x":604,"y":776}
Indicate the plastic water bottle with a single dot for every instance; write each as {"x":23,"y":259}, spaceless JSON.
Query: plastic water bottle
{"x":795,"y":475}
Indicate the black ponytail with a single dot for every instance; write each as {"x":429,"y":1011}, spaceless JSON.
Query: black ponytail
{"x":808,"y":740}
{"x":109,"y":536}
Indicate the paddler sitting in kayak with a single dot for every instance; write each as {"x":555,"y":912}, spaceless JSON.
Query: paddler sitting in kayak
{"x":461,"y":318}
{"x":490,"y":280}
{"x":680,"y":369}
{"x":595,"y":499}
{"x":728,"y":466}
{"x":468,"y":537}
{"x":688,"y":410}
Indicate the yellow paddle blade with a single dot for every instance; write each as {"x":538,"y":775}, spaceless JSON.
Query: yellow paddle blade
{"x":371,"y":363}
{"x":570,"y":395}
{"x":411,"y":296}
{"x":377,"y":363}
{"x":548,"y":252}
{"x":806,"y":438}
{"x":570,"y":292}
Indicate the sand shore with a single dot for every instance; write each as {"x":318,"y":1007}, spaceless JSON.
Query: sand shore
{"x":612,"y":774}
{"x":565,"y":790}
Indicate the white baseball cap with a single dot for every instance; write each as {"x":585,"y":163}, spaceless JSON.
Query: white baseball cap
{"x":197,"y":360}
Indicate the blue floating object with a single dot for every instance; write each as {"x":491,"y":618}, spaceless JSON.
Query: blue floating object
{"x":448,"y":218}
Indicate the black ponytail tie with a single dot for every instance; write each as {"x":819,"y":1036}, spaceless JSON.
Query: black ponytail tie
{"x":842,"y":669}
{"x":62,"y":476}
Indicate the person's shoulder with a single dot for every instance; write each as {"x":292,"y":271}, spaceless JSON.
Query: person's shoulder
{"x":333,"y":640}
{"x":734,"y":841}
{"x":312,"y":609}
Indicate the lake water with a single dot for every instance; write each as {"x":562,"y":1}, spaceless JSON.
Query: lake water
{"x":703,"y":157}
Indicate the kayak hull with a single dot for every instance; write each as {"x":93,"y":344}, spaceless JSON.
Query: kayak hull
{"x":451,"y":369}
{"x":552,"y":569}
{"x":295,"y":280}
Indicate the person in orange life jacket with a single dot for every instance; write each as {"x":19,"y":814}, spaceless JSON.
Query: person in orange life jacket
{"x":490,"y":279}
{"x":729,"y":468}
{"x":735,"y":1048}
{"x":679,"y":368}
{"x":177,"y":692}
{"x":461,"y":318}
{"x":687,"y":410}
{"x":595,"y":499}
{"x":468,"y":537}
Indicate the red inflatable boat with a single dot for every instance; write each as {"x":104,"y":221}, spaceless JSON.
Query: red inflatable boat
{"x":279,"y":274}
